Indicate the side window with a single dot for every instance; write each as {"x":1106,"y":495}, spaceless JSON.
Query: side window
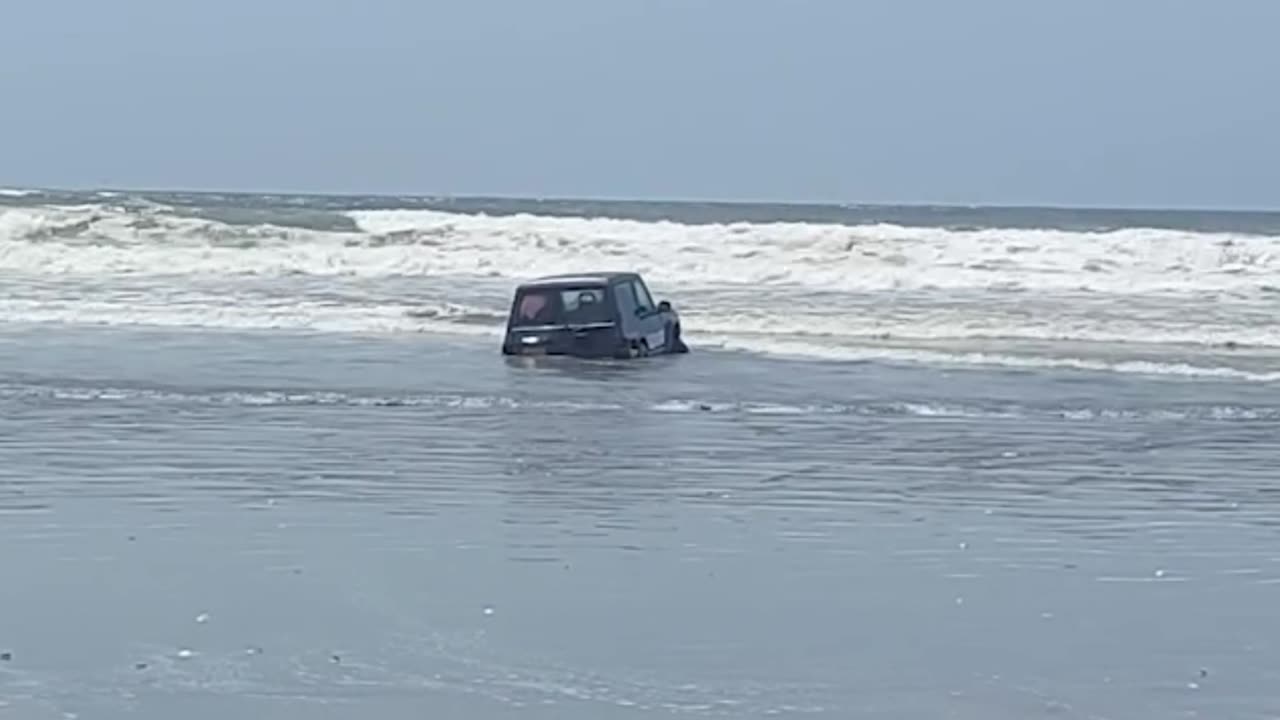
{"x":626,"y":299}
{"x":642,"y":296}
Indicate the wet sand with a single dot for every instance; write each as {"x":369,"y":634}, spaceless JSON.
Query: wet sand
{"x":394,"y":527}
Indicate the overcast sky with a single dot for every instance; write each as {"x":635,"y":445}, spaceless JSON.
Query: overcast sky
{"x":1068,"y":102}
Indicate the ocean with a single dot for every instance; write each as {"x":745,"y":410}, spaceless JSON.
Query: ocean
{"x":260,"y":456}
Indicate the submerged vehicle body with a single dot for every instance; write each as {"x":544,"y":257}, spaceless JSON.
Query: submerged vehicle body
{"x":600,"y":315}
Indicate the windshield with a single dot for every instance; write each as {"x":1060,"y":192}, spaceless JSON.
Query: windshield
{"x":561,"y":306}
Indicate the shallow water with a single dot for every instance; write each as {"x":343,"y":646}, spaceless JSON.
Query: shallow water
{"x":401,"y":525}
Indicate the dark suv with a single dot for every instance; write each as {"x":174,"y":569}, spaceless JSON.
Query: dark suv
{"x":607,"y":314}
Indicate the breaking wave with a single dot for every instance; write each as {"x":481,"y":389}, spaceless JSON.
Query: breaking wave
{"x":827,"y":290}
{"x":96,"y":239}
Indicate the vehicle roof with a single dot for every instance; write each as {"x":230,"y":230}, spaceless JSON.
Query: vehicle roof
{"x":590,"y":278}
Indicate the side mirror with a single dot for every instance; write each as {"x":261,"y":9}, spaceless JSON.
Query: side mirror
{"x":664,"y":306}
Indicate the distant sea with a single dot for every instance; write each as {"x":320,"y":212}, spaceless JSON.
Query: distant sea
{"x":260,"y":457}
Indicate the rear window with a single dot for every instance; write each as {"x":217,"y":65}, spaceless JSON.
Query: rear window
{"x":560,"y":306}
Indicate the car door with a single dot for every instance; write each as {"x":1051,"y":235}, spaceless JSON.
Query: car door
{"x":628,"y":319}
{"x":651,"y":324}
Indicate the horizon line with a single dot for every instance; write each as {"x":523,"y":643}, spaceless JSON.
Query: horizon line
{"x":692,"y":200}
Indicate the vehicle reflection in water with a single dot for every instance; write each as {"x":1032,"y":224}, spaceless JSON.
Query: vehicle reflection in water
{"x":592,"y":369}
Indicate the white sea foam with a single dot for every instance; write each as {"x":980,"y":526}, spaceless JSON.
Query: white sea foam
{"x":801,"y":349}
{"x":815,"y":290}
{"x":860,"y":258}
{"x":455,"y":401}
{"x":97,"y":239}
{"x":247,"y":314}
